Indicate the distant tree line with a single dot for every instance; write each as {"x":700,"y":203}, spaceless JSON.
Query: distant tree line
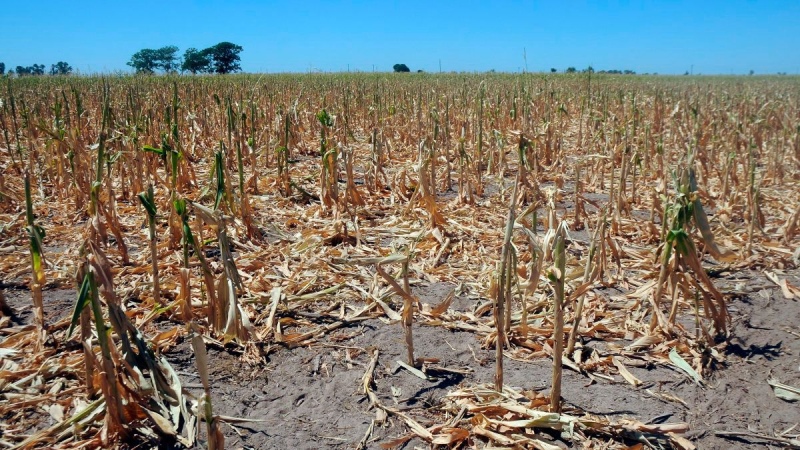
{"x":59,"y":68}
{"x":590,"y":69}
{"x":400,"y":68}
{"x":221,"y":58}
{"x":618,"y":72}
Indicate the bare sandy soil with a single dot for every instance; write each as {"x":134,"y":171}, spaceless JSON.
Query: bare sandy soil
{"x":309,"y":398}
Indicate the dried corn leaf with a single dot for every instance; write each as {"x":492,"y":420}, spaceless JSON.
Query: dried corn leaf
{"x":416,"y":372}
{"x":442,"y":307}
{"x":681,"y":363}
{"x":450,"y":435}
{"x":784,"y":391}
{"x":625,"y":372}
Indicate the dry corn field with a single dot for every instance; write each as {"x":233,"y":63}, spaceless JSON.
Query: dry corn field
{"x":400,"y":261}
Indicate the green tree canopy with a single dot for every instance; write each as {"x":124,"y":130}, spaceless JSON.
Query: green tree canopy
{"x":401,"y":68}
{"x":221,"y":58}
{"x":2,"y":68}
{"x":196,"y":61}
{"x":225,"y":57}
{"x":149,"y":60}
{"x":571,"y":70}
{"x":144,"y":61}
{"x":168,"y":58}
{"x":36,"y":69}
{"x":60,"y":68}
{"x":617,"y":72}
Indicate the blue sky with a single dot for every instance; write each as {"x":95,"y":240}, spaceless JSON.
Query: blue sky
{"x":713,"y":37}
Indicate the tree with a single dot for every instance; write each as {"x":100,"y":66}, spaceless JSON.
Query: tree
{"x":36,"y":69}
{"x":167,"y":58}
{"x":60,"y":68}
{"x":196,"y":61}
{"x":225,"y":57}
{"x":2,"y":68}
{"x":144,"y":61}
{"x":148,"y":60}
{"x":553,"y":70}
{"x":401,"y":68}
{"x":571,"y":70}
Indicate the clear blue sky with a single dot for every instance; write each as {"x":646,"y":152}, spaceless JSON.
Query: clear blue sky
{"x":715,"y":37}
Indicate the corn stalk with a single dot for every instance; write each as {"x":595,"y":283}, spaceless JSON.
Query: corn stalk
{"x":36,"y":235}
{"x":115,"y":421}
{"x":189,"y":242}
{"x":151,"y":388}
{"x":679,"y":252}
{"x":557,"y":276}
{"x":407,"y":317}
{"x":505,"y":273}
{"x":589,"y":274}
{"x":148,"y":202}
{"x":216,"y":440}
{"x":227,"y":314}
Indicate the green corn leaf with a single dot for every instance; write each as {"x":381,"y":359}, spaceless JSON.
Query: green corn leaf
{"x":28,"y":200}
{"x":683,"y":243}
{"x":180,"y":207}
{"x":188,"y":237}
{"x":147,"y":199}
{"x":157,"y":151}
{"x":113,"y":157}
{"x":148,"y":205}
{"x":36,"y":234}
{"x":174,"y":159}
{"x":83,"y":299}
{"x":324,"y":118}
{"x":329,"y":159}
{"x":165,"y":140}
{"x":220,"y":179}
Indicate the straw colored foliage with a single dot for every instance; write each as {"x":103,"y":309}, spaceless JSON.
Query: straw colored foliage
{"x":260,"y":213}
